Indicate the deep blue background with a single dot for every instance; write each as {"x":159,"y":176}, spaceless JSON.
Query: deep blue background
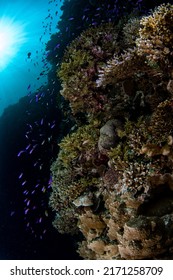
{"x":15,"y":241}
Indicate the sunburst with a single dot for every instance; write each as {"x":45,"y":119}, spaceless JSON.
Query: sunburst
{"x":12,"y":37}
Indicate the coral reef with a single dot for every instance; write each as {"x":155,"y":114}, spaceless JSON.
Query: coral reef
{"x":80,"y":65}
{"x":156,"y":38}
{"x":137,"y":203}
{"x":113,"y":178}
{"x":76,"y":172}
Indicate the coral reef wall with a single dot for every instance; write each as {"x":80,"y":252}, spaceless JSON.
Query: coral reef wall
{"x":112,"y":183}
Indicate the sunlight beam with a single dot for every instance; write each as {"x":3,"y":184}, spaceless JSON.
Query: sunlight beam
{"x":12,"y":37}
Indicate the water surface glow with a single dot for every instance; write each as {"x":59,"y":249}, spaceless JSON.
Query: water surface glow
{"x":25,"y":27}
{"x":12,"y":37}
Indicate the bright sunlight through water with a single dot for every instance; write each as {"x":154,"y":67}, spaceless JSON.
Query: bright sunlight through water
{"x":12,"y":37}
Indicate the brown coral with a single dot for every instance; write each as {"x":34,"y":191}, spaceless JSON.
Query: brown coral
{"x":138,"y":204}
{"x":156,"y":38}
{"x":80,"y":65}
{"x":113,"y":179}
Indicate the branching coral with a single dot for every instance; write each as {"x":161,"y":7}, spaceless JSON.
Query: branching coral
{"x":156,"y":37}
{"x":80,"y":65}
{"x":119,"y":68}
{"x":138,"y":203}
{"x":113,"y":179}
{"x":79,"y":146}
{"x":131,"y":32}
{"x":75,"y":172}
{"x":161,"y":125}
{"x":152,"y":44}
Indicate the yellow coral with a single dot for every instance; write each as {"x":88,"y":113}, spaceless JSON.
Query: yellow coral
{"x":156,"y":37}
{"x":81,"y":143}
{"x":80,"y":65}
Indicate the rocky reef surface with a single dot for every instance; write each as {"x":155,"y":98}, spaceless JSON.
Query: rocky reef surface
{"x":112,"y":182}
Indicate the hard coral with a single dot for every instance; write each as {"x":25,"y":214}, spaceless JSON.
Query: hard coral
{"x":156,"y":38}
{"x":113,"y":179}
{"x":75,"y":174}
{"x":137,"y":202}
{"x":131,"y":32}
{"x":80,"y":65}
{"x":161,"y":125}
{"x":119,"y":68}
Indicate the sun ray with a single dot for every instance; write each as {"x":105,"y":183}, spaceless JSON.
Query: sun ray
{"x":12,"y":37}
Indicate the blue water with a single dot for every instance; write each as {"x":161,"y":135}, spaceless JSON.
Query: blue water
{"x":21,"y":71}
{"x":23,"y":234}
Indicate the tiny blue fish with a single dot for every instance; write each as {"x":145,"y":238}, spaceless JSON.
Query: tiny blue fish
{"x":23,"y":183}
{"x":28,"y":147}
{"x":41,"y":122}
{"x":20,"y":176}
{"x":12,"y":213}
{"x":21,"y":152}
{"x":26,"y":211}
{"x":28,"y":203}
